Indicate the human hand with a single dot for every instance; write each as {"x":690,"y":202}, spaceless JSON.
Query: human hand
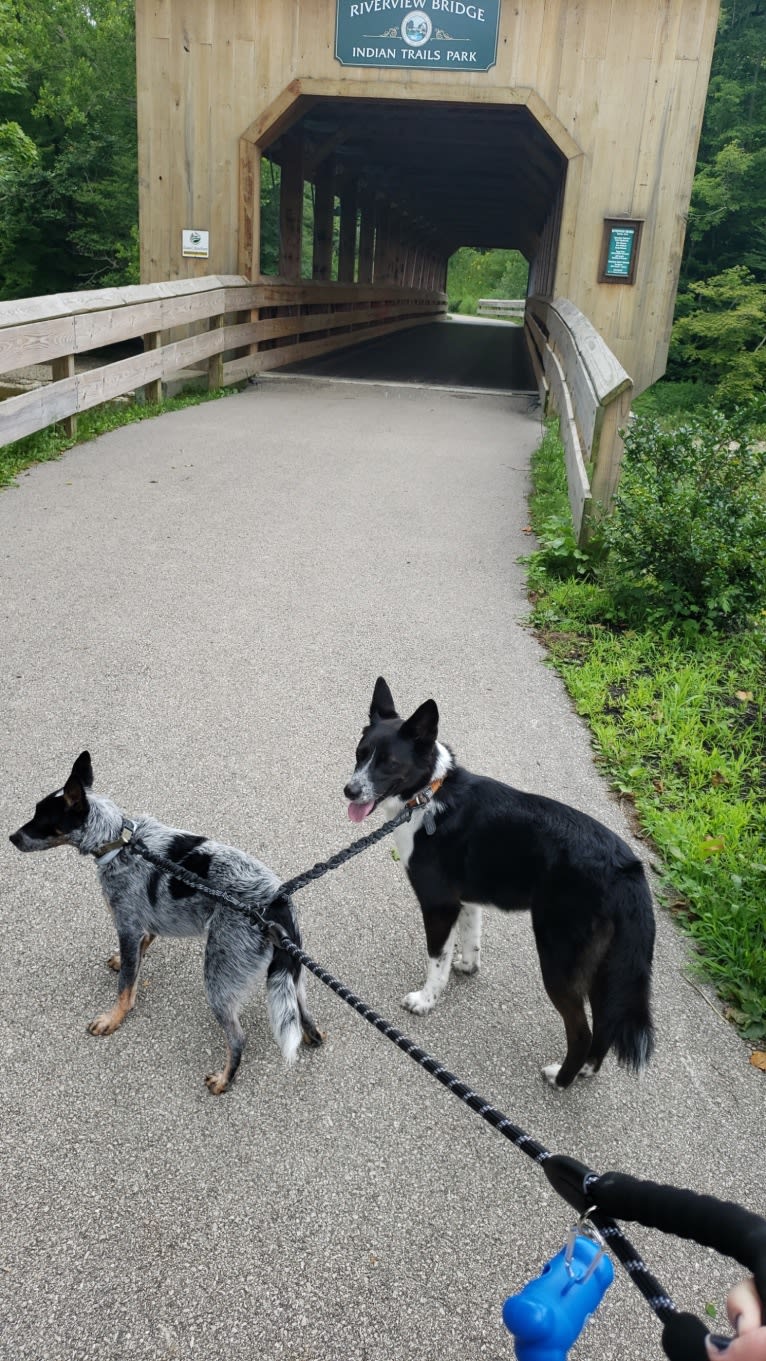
{"x":744,"y":1308}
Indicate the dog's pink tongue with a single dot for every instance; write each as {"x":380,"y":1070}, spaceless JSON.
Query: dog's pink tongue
{"x":358,"y":811}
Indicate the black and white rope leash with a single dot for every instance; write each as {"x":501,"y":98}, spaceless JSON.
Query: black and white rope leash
{"x":723,"y":1225}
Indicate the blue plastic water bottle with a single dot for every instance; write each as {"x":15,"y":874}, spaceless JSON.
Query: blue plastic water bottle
{"x":548,"y":1315}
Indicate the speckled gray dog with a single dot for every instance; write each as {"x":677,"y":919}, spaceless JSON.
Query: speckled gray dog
{"x":147,"y":902}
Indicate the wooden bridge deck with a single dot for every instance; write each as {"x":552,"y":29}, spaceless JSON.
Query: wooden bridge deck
{"x":461,"y":352}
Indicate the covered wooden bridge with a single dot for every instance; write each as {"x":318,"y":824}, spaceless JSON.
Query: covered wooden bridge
{"x":566,"y":131}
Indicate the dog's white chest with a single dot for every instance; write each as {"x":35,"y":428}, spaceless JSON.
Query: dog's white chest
{"x":404,"y":837}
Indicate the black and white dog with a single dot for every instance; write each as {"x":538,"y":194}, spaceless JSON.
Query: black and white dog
{"x":477,"y":843}
{"x":148,"y":902}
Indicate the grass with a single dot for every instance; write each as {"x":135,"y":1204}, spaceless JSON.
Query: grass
{"x":52,"y":443}
{"x":671,"y":401}
{"x":678,"y":727}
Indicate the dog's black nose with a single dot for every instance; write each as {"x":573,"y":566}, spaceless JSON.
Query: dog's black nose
{"x":15,"y":838}
{"x":351,"y":791}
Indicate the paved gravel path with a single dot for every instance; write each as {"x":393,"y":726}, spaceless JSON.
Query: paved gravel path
{"x":204,"y":602}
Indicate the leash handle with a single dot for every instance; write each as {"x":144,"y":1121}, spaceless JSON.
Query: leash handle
{"x":719,"y":1224}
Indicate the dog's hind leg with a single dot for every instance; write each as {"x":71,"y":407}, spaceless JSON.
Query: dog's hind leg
{"x":228,"y":988}
{"x":130,"y":962}
{"x":603,"y":1035}
{"x":569,"y":1005}
{"x":441,"y":932}
{"x":467,"y":957}
{"x":228,"y":1017}
{"x":312,"y":1035}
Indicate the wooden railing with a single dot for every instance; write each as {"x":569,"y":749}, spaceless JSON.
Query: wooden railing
{"x":580,"y":378}
{"x":501,"y":307}
{"x":239,"y":328}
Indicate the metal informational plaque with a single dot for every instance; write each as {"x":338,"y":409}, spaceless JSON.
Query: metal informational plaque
{"x":438,"y":35}
{"x":619,"y":251}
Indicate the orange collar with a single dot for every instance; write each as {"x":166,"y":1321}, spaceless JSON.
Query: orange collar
{"x":425,"y":795}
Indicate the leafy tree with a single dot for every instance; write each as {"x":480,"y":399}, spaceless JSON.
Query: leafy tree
{"x":720,"y":329}
{"x":727,"y":217}
{"x":721,"y":335}
{"x":68,"y":158}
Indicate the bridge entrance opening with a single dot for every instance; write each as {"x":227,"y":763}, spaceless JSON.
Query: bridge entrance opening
{"x":384,"y":192}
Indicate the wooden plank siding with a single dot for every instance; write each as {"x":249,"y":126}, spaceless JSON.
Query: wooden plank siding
{"x":616,"y":90}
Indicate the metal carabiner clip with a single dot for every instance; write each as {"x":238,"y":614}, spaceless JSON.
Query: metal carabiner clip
{"x":587,"y":1230}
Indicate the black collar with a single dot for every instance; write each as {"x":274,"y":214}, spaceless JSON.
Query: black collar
{"x":113,"y":847}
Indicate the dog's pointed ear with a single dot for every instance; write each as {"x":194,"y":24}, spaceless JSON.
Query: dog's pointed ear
{"x":382,"y":701}
{"x":80,"y":779}
{"x":422,"y":726}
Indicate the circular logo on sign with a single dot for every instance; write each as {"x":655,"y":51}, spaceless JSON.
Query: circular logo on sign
{"x":417,"y":29}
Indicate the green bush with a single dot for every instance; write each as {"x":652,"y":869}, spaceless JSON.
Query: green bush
{"x":687,"y":539}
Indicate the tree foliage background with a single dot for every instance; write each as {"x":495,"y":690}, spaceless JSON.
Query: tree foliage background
{"x":719,"y":337}
{"x":69,"y":194}
{"x":68,"y":157}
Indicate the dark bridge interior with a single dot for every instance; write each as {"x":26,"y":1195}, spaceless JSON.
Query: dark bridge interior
{"x":431,"y":177}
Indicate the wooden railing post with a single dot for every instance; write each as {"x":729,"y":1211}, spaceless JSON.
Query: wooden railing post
{"x":63,"y":367}
{"x":608,"y":454}
{"x":153,"y":389}
{"x":215,"y":362}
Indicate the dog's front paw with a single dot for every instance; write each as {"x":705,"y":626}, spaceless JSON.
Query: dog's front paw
{"x":550,"y":1073}
{"x":418,"y":1002}
{"x":217,"y":1083}
{"x":466,"y":964}
{"x":113,"y":961}
{"x":105,"y":1024}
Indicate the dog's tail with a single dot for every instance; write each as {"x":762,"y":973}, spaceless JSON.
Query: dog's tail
{"x":621,"y":996}
{"x":283,"y":1001}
